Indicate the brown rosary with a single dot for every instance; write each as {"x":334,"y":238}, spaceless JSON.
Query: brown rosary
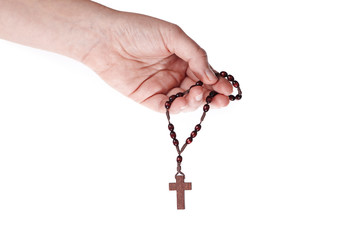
{"x":180,"y":186}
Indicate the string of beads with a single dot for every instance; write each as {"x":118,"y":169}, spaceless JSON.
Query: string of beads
{"x":206,"y":108}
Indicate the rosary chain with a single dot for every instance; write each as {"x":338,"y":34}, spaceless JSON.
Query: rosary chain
{"x":206,"y":108}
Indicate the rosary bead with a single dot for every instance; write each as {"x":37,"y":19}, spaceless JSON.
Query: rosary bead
{"x":208,"y":99}
{"x":172,"y":98}
{"x":171,"y":127}
{"x":172,"y":134}
{"x":230,"y":78}
{"x":197,"y":127}
{"x":199,"y":83}
{"x":179,"y":159}
{"x":179,"y":94}
{"x":206,"y":107}
{"x":223,"y":74}
{"x":176,"y":142}
{"x":231,"y":97}
{"x":193,"y":134}
{"x":212,"y":94}
{"x":236,"y":84}
{"x":167,"y":105}
{"x":189,"y":140}
{"x":238,"y":96}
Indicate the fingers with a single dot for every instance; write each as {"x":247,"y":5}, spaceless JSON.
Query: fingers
{"x":156,"y":102}
{"x":196,"y":96}
{"x":220,"y":101}
{"x":187,"y":49}
{"x":189,"y":102}
{"x":180,"y":103}
{"x":194,"y":99}
{"x":223,"y":86}
{"x":191,"y":75}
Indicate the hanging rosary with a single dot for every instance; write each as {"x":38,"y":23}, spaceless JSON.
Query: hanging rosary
{"x":180,"y":186}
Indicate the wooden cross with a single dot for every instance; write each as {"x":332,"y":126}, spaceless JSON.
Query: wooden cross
{"x":180,"y":186}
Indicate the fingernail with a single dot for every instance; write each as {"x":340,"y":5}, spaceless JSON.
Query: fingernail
{"x":182,"y":108}
{"x":199,"y":97}
{"x":211,"y":75}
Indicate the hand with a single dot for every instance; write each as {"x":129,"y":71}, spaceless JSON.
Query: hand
{"x":145,"y":58}
{"x":148,"y":60}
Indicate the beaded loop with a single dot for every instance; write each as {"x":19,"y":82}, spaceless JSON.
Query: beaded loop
{"x":206,"y":108}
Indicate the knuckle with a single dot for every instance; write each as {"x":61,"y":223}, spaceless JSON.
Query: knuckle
{"x":201,"y":52}
{"x":176,"y":28}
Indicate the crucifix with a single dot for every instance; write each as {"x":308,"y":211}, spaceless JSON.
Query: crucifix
{"x":180,"y":186}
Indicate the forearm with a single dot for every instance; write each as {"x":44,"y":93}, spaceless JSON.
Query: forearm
{"x":67,"y":27}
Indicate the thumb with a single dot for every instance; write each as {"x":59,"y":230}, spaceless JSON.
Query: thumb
{"x":188,"y":50}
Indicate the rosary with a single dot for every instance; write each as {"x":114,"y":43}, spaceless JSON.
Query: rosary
{"x":180,"y":186}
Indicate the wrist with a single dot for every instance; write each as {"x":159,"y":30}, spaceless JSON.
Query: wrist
{"x":83,"y":29}
{"x":67,"y":27}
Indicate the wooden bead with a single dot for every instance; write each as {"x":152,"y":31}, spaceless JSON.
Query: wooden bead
{"x":212,"y":94}
{"x":223,"y":74}
{"x":171,"y":127}
{"x":199,"y":83}
{"x":172,"y":134}
{"x":167,"y":105}
{"x":206,"y":107}
{"x":236,"y":84}
{"x":230,"y":77}
{"x":179,"y":159}
{"x":176,"y":142}
{"x":172,"y":98}
{"x":179,"y":94}
{"x":189,"y":140}
{"x":231,"y":97}
{"x":198,"y":127}
{"x":238,"y":96}
{"x":193,"y":134}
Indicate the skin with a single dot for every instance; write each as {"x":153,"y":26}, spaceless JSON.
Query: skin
{"x":144,"y":58}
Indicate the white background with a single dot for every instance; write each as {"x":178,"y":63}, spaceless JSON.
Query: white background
{"x":80,"y":161}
